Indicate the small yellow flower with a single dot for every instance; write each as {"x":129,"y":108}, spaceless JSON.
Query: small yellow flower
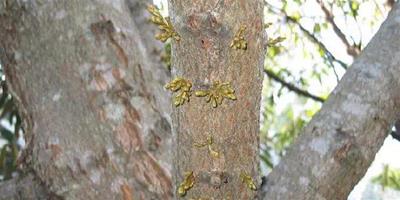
{"x":246,"y":179}
{"x":164,"y":24}
{"x":187,"y":184}
{"x":182,"y":86}
{"x":209,"y":142}
{"x":238,"y":41}
{"x":217,"y":93}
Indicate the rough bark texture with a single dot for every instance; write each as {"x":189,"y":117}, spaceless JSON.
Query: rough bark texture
{"x":27,"y":187}
{"x":89,"y":85}
{"x":203,"y":56}
{"x":339,"y":144}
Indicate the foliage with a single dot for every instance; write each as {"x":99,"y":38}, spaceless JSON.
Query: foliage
{"x":273,"y":42}
{"x":166,"y":55}
{"x":389,"y":178}
{"x":10,"y":131}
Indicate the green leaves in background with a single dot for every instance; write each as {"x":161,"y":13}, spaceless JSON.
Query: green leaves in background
{"x":307,"y":61}
{"x":389,"y":178}
{"x":10,"y":129}
{"x":166,"y":55}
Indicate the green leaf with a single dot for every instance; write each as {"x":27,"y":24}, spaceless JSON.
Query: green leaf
{"x":296,"y":16}
{"x":317,"y":28}
{"x":389,"y":178}
{"x":6,"y":134}
{"x":354,"y":6}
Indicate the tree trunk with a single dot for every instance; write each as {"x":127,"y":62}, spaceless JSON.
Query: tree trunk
{"x":338,"y":145}
{"x":89,"y":85}
{"x":204,"y":56}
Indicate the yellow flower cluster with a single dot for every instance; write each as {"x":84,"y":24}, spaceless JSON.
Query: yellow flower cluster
{"x":238,"y":41}
{"x":187,"y":183}
{"x":164,"y":24}
{"x":182,"y":86}
{"x":246,"y":179}
{"x":217,"y":93}
{"x":208,"y":143}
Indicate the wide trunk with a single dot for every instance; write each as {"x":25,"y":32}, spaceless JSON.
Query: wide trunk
{"x":89,"y":86}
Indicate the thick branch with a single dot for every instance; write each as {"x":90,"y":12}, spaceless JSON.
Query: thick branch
{"x":338,"y":145}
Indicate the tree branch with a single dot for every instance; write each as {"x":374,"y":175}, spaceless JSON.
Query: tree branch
{"x":314,"y":39}
{"x":390,"y":3}
{"x":336,"y":148}
{"x":351,"y":49}
{"x":292,"y":87}
{"x":329,"y":56}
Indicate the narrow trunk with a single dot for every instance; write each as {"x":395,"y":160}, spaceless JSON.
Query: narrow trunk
{"x":204,"y":56}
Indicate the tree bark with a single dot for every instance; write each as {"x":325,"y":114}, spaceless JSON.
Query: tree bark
{"x":27,"y":187}
{"x":338,"y":145}
{"x":89,"y":85}
{"x":203,"y":56}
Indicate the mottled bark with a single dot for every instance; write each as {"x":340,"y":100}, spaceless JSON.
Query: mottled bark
{"x":89,"y":85}
{"x":338,"y":145}
{"x":27,"y":187}
{"x":207,"y":28}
